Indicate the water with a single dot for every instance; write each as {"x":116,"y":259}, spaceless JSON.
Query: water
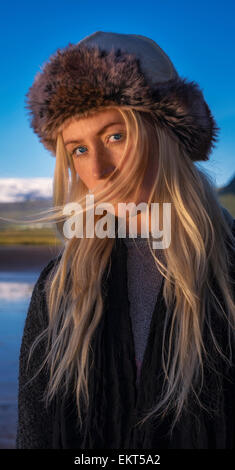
{"x":15,"y":293}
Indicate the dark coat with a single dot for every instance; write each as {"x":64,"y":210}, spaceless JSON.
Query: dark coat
{"x":115,"y":402}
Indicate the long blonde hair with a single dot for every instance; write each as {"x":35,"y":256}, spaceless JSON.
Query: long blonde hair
{"x":197,"y":250}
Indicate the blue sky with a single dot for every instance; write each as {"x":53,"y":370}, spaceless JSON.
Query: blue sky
{"x":198,"y":36}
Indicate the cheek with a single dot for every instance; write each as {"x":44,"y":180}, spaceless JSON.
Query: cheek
{"x":119,"y":159}
{"x":76,"y":166}
{"x":80,"y":170}
{"x":149,"y":179}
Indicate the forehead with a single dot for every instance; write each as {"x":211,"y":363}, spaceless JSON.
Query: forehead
{"x":91,"y":124}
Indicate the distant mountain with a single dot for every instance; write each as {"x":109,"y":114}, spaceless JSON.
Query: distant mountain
{"x":229,"y":188}
{"x":25,"y":189}
{"x":40,"y":189}
{"x":21,"y":210}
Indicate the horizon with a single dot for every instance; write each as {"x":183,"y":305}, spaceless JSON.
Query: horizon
{"x":37,"y":188}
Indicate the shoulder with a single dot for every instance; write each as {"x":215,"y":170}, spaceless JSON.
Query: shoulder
{"x":34,"y":423}
{"x":45,"y":275}
{"x":47,"y":271}
{"x":37,"y":311}
{"x":228,"y":217}
{"x":233,"y":227}
{"x":36,"y":320}
{"x":230,"y":240}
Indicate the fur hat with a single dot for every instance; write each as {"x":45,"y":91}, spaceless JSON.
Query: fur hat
{"x":120,"y":69}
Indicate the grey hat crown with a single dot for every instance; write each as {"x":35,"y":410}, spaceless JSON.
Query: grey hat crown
{"x":155,"y":63}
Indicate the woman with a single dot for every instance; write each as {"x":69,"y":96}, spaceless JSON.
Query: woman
{"x":126,"y":346}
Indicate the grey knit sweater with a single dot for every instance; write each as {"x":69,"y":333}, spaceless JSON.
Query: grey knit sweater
{"x":144,"y":282}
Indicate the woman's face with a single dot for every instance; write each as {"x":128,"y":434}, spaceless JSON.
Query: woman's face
{"x":96,"y":144}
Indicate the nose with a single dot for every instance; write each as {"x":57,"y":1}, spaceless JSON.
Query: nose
{"x":101,"y":166}
{"x":100,"y":175}
{"x":100,"y":172}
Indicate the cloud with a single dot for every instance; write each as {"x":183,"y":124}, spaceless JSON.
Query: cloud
{"x":24,"y":189}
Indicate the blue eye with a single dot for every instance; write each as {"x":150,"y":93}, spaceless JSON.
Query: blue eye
{"x":115,"y":135}
{"x":74,"y":152}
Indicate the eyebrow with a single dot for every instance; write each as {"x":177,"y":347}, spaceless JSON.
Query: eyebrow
{"x":98,"y":133}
